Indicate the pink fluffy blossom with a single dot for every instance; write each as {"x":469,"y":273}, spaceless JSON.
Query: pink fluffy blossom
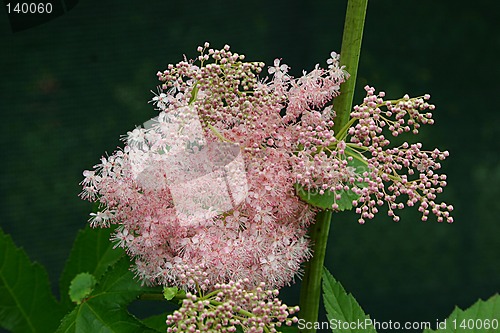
{"x":210,"y":182}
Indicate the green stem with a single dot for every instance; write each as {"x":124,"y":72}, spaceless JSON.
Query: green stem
{"x":310,"y":293}
{"x":151,"y":297}
{"x":342,"y":133}
{"x":349,"y":57}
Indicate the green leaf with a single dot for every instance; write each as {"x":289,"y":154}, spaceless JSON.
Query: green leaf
{"x":105,"y":310}
{"x":157,"y":322}
{"x":327,"y":199}
{"x":483,"y":316}
{"x":288,"y":329}
{"x":342,"y":310}
{"x":92,"y":253}
{"x":26,"y":302}
{"x":81,"y":287}
{"x":169,"y":293}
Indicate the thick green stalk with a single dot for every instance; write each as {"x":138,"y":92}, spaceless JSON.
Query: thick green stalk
{"x":349,"y":57}
{"x":310,"y":293}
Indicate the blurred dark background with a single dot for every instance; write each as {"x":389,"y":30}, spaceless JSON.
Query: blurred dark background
{"x":70,"y":87}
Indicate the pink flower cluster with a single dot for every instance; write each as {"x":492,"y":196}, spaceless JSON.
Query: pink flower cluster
{"x":210,"y":181}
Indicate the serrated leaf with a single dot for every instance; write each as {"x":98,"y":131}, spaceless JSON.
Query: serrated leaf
{"x":327,"y":199}
{"x":93,"y":253}
{"x":26,"y":302}
{"x":483,"y":316}
{"x":342,"y":309}
{"x":105,"y":310}
{"x":81,"y":287}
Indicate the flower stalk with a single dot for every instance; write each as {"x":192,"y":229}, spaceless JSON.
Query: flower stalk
{"x":349,"y":57}
{"x":310,"y":292}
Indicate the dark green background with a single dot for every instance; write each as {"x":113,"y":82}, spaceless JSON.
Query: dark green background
{"x":69,"y":88}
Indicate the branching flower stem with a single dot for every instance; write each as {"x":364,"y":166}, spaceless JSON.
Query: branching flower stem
{"x":349,"y":57}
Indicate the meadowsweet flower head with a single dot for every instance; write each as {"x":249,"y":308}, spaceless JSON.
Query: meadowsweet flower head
{"x":212,"y":181}
{"x":209,"y":183}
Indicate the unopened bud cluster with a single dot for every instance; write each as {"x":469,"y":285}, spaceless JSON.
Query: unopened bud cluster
{"x":230,"y":306}
{"x":360,"y":159}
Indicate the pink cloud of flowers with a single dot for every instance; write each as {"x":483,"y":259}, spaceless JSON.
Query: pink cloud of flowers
{"x":210,"y":182}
